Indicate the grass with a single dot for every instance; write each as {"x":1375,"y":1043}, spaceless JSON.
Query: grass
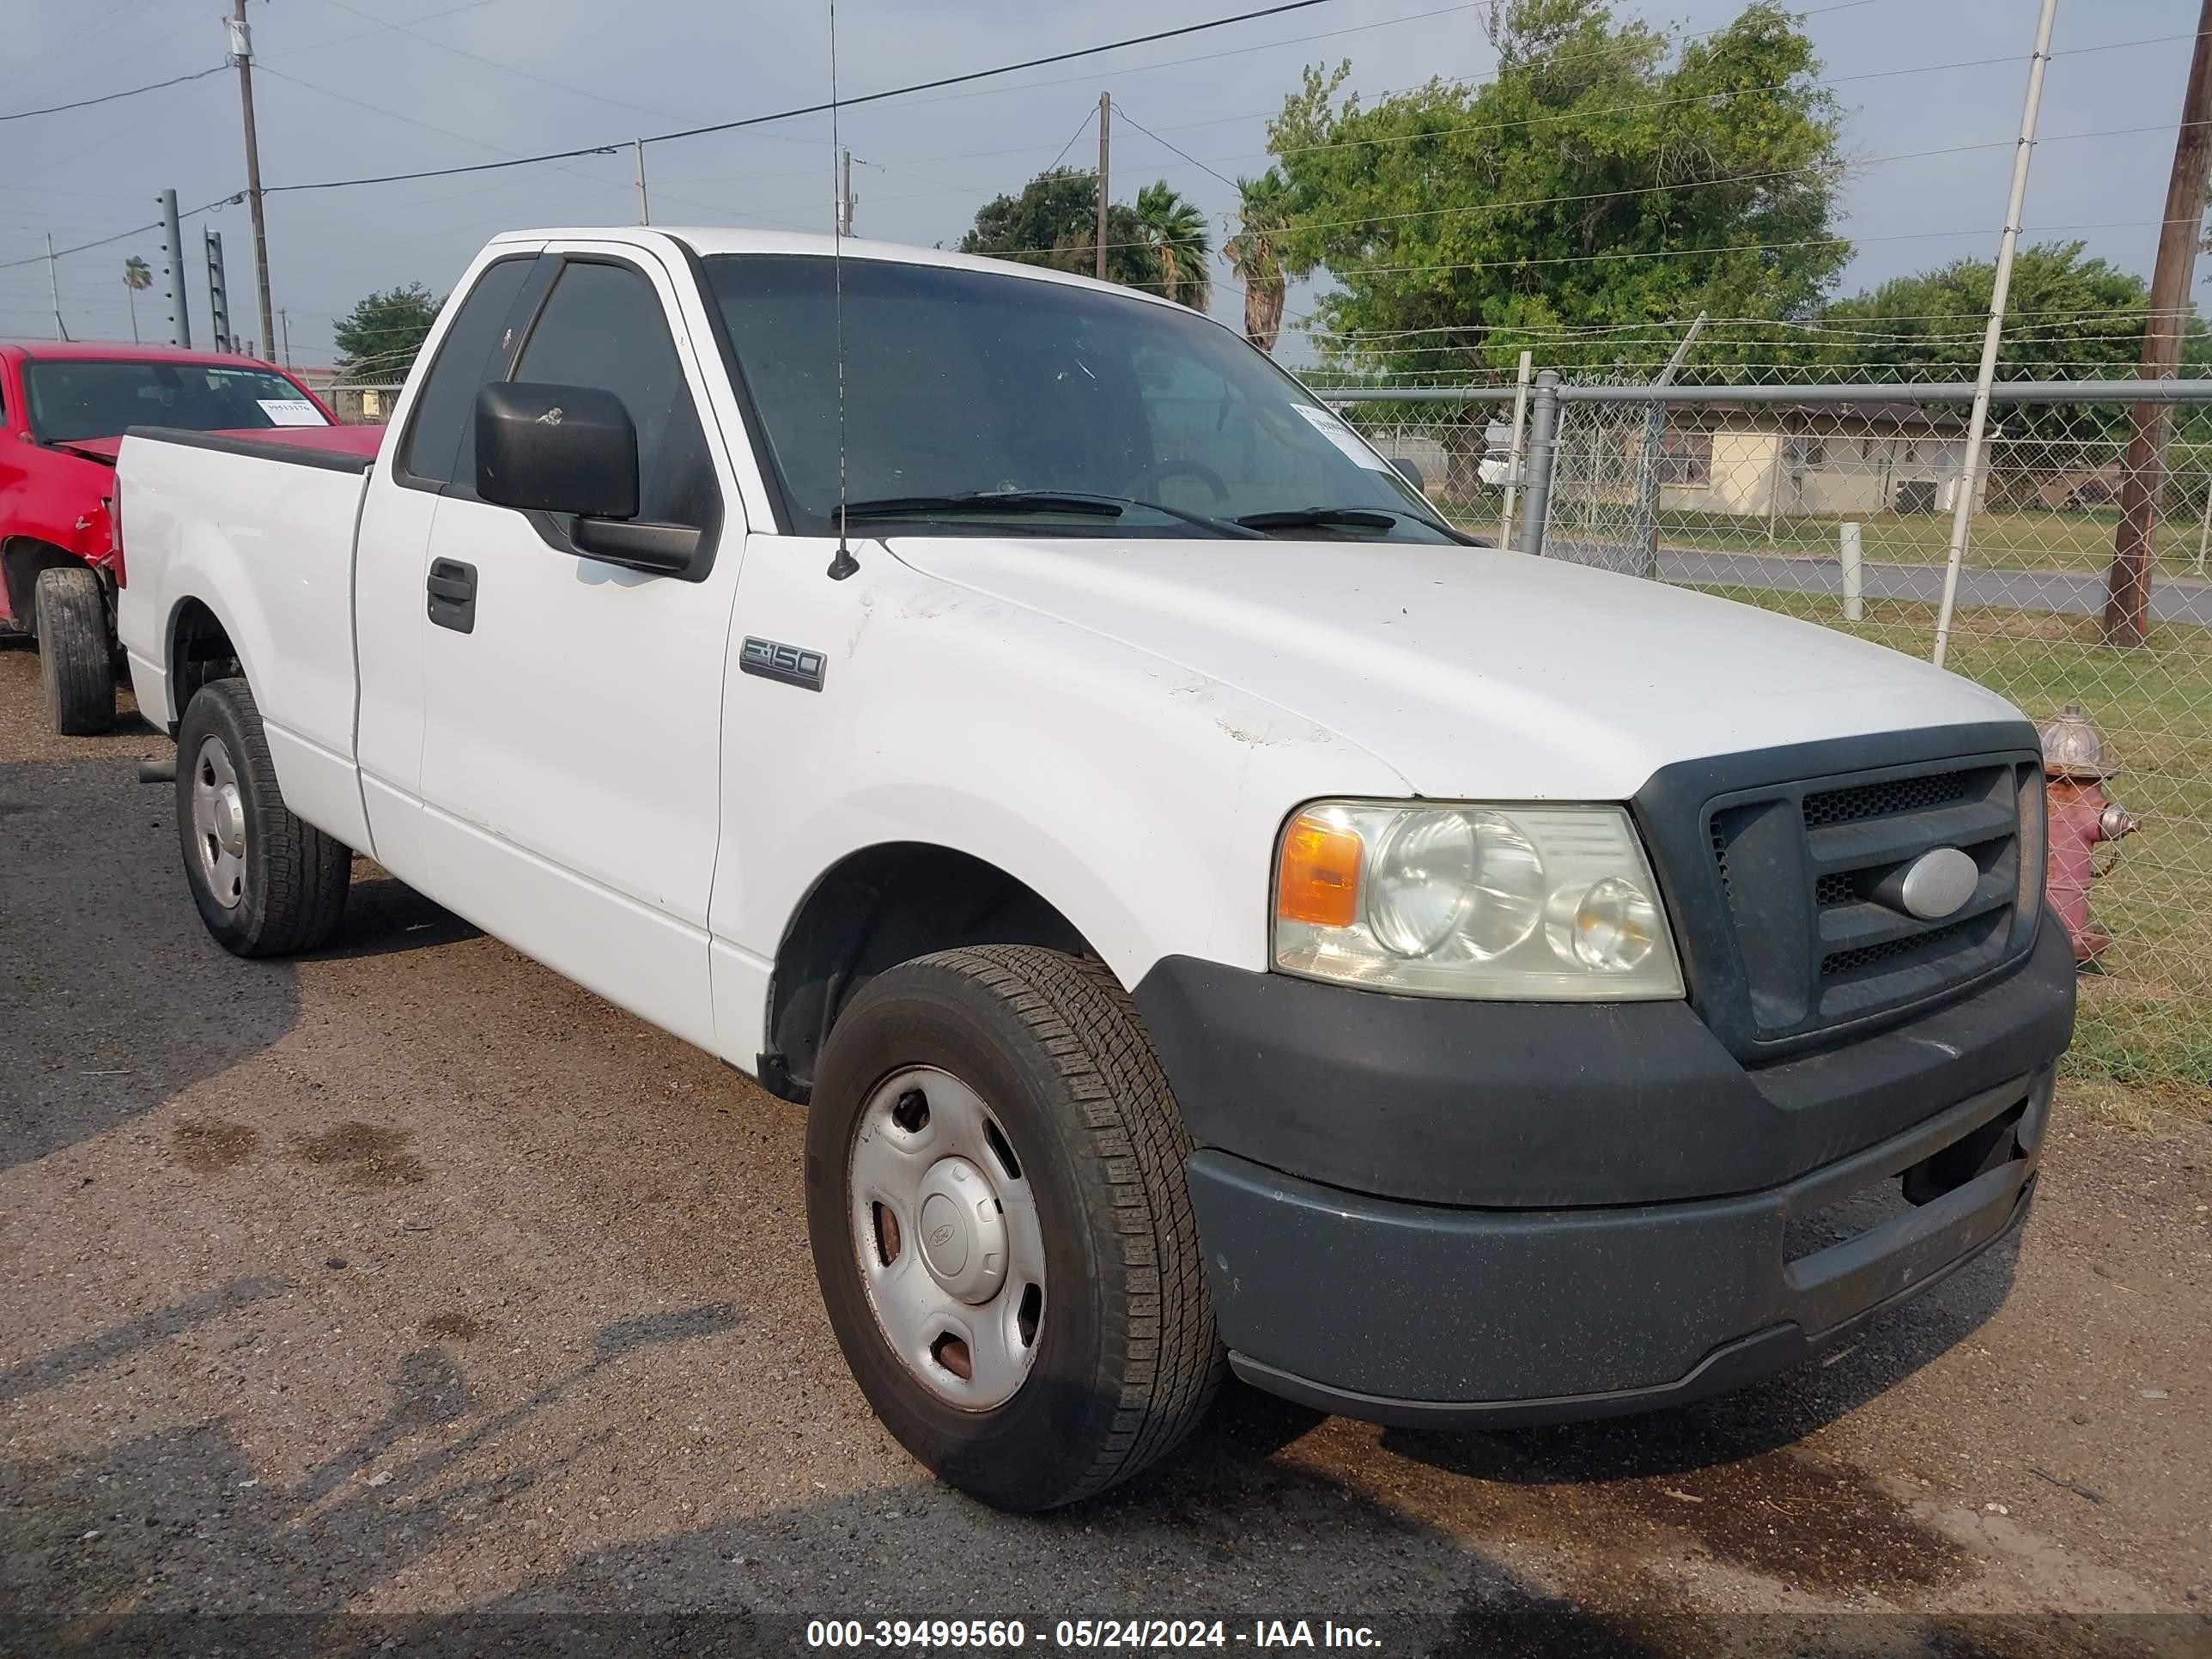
{"x":2145,"y":1014}
{"x":2080,"y":542}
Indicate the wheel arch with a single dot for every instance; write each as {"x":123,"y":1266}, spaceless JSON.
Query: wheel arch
{"x":23,"y":559}
{"x":878,"y":906}
{"x":197,"y":646}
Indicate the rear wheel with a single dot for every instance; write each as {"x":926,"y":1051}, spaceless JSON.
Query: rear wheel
{"x":76,"y":658}
{"x":267,"y":883}
{"x":1001,"y":1226}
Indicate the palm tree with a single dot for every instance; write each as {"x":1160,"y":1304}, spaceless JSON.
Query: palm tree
{"x":1175,"y":236}
{"x":136,"y":274}
{"x":1254,"y":254}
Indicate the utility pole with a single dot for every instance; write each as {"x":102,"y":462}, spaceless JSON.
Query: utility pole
{"x":54,"y":281}
{"x":284,"y":321}
{"x":218,"y":295}
{"x":1977,"y":419}
{"x":644,"y":202}
{"x":173,"y":272}
{"x":1105,"y":139}
{"x":844,"y":192}
{"x":241,"y":52}
{"x":2127,"y":602}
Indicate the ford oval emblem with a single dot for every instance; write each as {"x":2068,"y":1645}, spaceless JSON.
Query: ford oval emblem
{"x":941,"y":1235}
{"x":1939,"y":882}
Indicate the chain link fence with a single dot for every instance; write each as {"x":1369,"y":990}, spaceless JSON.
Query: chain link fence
{"x":361,"y":405}
{"x":1834,"y":502}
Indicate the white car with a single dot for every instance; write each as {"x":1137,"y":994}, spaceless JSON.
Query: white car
{"x":1216,"y":916}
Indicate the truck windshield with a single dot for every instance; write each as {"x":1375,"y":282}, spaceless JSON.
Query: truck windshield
{"x":70,"y":401}
{"x":965,"y":384}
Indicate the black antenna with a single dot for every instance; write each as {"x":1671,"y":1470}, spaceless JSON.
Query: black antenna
{"x":844,"y":564}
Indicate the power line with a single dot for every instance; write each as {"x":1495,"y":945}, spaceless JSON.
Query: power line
{"x":231,"y":200}
{"x":110,"y":97}
{"x":1186,"y":154}
{"x":818,"y":108}
{"x":1090,"y":116}
{"x":1630,"y":107}
{"x":383,"y":28}
{"x":505,"y":69}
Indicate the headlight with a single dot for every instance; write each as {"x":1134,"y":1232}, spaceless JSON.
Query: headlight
{"x":1520,"y":902}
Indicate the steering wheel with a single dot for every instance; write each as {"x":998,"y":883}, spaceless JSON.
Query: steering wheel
{"x":1152,"y":473}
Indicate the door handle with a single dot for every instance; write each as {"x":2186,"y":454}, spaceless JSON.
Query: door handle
{"x":452,"y":590}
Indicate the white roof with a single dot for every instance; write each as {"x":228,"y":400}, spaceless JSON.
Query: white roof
{"x":722,"y":239}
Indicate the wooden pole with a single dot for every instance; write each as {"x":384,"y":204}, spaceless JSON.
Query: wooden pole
{"x":2127,"y":604}
{"x":1105,"y":139}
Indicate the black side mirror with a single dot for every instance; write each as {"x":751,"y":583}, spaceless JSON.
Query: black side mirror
{"x":1410,"y":474}
{"x":568,"y":449}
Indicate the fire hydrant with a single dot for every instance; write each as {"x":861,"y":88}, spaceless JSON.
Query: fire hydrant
{"x":2078,"y":761}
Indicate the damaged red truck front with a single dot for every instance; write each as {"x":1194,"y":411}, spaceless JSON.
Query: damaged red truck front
{"x":64,"y":408}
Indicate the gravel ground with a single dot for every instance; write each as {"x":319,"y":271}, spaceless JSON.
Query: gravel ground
{"x":408,"y":1295}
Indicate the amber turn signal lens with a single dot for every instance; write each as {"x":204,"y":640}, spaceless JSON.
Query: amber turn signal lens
{"x":1320,"y":878}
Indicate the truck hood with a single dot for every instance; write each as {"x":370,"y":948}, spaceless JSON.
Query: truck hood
{"x":1472,"y":671}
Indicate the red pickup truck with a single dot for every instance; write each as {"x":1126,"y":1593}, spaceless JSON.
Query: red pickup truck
{"x":64,"y":409}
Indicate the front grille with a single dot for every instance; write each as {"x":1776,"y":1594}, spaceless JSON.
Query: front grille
{"x":1837,"y":887}
{"x":1838,"y":963}
{"x":1881,"y":801}
{"x":1811,"y":874}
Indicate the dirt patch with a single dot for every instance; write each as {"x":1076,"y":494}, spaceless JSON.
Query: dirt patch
{"x":208,"y":1145}
{"x":459,"y":1326}
{"x":363,"y":1154}
{"x":1812,"y":1526}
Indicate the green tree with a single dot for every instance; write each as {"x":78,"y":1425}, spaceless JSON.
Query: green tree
{"x":1254,"y":254}
{"x":2067,"y":317}
{"x":1053,"y":220}
{"x":137,"y":274}
{"x":378,"y":339}
{"x":1175,"y":237}
{"x":1606,"y":175}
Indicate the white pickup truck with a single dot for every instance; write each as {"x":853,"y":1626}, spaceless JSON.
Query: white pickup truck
{"x":1216,"y":917}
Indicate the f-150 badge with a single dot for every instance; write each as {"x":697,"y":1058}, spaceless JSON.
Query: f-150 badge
{"x":793,"y":664}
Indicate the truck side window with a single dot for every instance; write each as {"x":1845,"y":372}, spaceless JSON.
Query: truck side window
{"x":441,"y":438}
{"x":603,"y":326}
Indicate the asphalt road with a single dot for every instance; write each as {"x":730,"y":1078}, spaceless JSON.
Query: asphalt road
{"x":2063,"y":593}
{"x":408,"y":1299}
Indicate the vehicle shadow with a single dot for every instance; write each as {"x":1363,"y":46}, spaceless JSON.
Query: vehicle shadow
{"x":384,"y":916}
{"x":112,"y":997}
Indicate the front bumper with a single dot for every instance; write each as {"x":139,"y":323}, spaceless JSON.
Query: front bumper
{"x":1605,"y":1270}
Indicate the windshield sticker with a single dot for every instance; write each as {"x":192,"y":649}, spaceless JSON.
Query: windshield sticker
{"x":290,"y":411}
{"x":1343,"y":437}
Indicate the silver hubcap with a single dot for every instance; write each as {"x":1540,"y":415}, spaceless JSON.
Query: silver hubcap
{"x":219,"y":824}
{"x":947,"y":1234}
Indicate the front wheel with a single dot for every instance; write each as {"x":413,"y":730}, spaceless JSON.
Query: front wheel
{"x":1001,"y":1226}
{"x":267,"y":883}
{"x":76,"y":658}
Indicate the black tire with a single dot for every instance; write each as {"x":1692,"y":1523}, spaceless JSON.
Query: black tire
{"x":76,"y":658}
{"x":1128,"y":1356}
{"x":288,"y":893}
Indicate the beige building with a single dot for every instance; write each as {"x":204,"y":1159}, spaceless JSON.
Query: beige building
{"x":1839,"y":459}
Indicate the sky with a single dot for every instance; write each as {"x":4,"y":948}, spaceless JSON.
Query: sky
{"x":347,"y":87}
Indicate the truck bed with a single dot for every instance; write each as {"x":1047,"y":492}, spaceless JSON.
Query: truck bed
{"x":266,"y":522}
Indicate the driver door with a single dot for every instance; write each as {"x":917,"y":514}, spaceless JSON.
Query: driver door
{"x":572,"y":721}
